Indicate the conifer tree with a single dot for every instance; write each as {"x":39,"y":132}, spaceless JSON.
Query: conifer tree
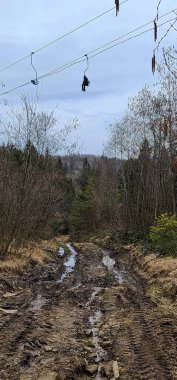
{"x":85,"y":219}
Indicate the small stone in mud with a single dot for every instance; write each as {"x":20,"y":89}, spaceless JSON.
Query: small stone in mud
{"x":55,"y":349}
{"x":88,"y":332}
{"x":90,"y":342}
{"x":48,"y":348}
{"x":106,"y":344}
{"x":116,"y":370}
{"x":89,"y":349}
{"x":103,"y":333}
{"x":48,"y":376}
{"x":25,"y":377}
{"x":108,"y":368}
{"x":92,"y":368}
{"x":93,"y":357}
{"x":9,"y":295}
{"x":8,"y":311}
{"x":106,"y":327}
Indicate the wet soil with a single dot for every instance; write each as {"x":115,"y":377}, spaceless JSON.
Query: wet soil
{"x":85,"y":315}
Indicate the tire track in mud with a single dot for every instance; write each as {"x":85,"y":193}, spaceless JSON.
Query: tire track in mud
{"x":150,"y":351}
{"x":92,"y":320}
{"x":149,"y":345}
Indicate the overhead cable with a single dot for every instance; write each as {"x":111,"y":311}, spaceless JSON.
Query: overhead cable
{"x":60,"y":38}
{"x":81,"y":58}
{"x":92,"y":53}
{"x":130,"y":38}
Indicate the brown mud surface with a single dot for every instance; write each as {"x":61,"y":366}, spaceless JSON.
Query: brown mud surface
{"x":87,"y":314}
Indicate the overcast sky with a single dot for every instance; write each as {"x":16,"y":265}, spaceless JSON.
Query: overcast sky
{"x":114,"y":75}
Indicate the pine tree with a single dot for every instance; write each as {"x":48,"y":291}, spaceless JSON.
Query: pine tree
{"x":87,"y":172}
{"x":85,"y":219}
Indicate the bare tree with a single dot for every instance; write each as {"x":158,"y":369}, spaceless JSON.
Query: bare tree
{"x":31,"y":123}
{"x":32,"y":185}
{"x":146,"y":139}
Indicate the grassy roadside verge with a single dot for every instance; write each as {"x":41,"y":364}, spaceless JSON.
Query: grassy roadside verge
{"x":160,"y":274}
{"x":33,"y":254}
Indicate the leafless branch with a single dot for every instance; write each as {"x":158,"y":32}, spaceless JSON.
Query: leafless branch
{"x":158,"y":6}
{"x":168,"y":30}
{"x":169,"y":66}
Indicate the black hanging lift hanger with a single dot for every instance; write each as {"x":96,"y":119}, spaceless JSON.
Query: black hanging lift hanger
{"x":87,"y":63}
{"x":34,"y":81}
{"x":85,"y":82}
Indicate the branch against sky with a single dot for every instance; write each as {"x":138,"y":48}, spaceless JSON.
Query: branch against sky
{"x":170,"y":65}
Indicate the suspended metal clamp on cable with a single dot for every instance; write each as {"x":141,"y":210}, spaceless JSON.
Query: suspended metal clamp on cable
{"x":97,"y":51}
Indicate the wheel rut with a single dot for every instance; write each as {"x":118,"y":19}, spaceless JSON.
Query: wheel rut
{"x":89,"y":317}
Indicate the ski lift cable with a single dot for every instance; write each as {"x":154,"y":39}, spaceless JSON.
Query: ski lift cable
{"x":91,"y":55}
{"x":60,"y":37}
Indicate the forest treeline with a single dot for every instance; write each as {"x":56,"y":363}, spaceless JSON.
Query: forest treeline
{"x":128,"y":192}
{"x":35,"y":195}
{"x":123,"y":191}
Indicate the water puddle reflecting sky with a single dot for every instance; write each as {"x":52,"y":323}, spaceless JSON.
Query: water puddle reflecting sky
{"x":61,"y":251}
{"x":95,"y":321}
{"x":110,"y":264}
{"x":69,"y":263}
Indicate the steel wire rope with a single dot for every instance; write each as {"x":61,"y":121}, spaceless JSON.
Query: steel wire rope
{"x":82,"y":58}
{"x":130,"y":38}
{"x":60,"y":38}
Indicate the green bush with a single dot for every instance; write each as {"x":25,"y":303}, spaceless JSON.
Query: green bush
{"x":163,"y":234}
{"x":125,"y":236}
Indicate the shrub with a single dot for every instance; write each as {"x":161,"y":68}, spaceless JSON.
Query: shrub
{"x":163,"y":234}
{"x":125,"y":236}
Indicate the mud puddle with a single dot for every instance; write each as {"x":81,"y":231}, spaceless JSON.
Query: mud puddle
{"x":69,"y":263}
{"x":95,"y":321}
{"x":93,"y":295}
{"x":61,"y":251}
{"x":110,"y":264}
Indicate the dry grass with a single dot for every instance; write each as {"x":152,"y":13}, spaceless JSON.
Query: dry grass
{"x":12,"y":264}
{"x":161,"y":276}
{"x":53,"y":244}
{"x":37,"y":253}
{"x":127,"y":322}
{"x":158,"y":265}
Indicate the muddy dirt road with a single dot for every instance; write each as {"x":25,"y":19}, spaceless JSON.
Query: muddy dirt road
{"x":85,"y":316}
